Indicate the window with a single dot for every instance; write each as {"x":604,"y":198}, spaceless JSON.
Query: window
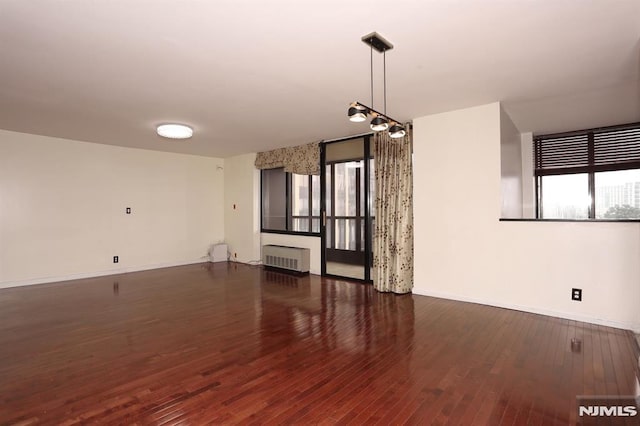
{"x":290,"y":202}
{"x":566,"y":196}
{"x":618,"y":194}
{"x":347,"y":186}
{"x":274,"y":199}
{"x":589,"y":174}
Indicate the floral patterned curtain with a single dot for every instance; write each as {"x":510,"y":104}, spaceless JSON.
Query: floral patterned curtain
{"x":393,"y":231}
{"x":301,"y":160}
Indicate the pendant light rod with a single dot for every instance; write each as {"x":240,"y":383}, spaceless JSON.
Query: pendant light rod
{"x":360,"y":105}
{"x":384,"y":79}
{"x":371,"y":74}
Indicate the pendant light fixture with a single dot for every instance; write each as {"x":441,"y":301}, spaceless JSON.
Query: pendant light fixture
{"x":358,"y":112}
{"x":379,"y":124}
{"x":397,"y":131}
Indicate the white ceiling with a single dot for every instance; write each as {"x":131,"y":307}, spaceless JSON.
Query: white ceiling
{"x":254,"y":75}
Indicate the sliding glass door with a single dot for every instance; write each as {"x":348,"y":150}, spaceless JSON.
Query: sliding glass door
{"x":347,"y":230}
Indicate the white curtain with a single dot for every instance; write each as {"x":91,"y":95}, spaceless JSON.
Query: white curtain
{"x":393,"y":230}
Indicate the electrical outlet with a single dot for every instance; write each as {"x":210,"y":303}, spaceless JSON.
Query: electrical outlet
{"x":115,"y":259}
{"x":576,"y":294}
{"x":128,"y":210}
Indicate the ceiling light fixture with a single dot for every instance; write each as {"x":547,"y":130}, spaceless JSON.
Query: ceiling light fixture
{"x":358,"y":112}
{"x":174,"y":131}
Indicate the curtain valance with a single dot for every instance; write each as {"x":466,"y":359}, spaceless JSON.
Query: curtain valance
{"x":301,"y":160}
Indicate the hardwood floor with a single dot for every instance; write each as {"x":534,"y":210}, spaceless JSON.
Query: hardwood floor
{"x":233,"y":344}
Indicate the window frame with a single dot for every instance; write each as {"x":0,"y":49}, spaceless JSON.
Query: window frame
{"x":591,"y":168}
{"x":359,"y":217}
{"x":288,"y":208}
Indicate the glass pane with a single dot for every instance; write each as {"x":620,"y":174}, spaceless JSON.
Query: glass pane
{"x":315,"y":189}
{"x":300,"y":224}
{"x":316,"y":224}
{"x":618,"y":194}
{"x":345,"y":179}
{"x":340,"y":230}
{"x":274,"y":202}
{"x":327,"y":198}
{"x":360,"y":179}
{"x":345,"y":234}
{"x":339,"y":199}
{"x":299,"y":195}
{"x":300,"y":215}
{"x":565,"y":197}
{"x":351,"y":238}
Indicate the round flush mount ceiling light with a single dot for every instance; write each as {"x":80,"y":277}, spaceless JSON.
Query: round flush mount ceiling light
{"x":174,"y":131}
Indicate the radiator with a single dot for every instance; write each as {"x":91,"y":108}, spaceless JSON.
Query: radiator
{"x":289,"y":258}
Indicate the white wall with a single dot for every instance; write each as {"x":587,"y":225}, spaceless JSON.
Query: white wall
{"x":242,"y":224}
{"x":62,"y":208}
{"x":312,"y":243}
{"x":242,"y":208}
{"x":463,"y":252}
{"x":510,"y":168}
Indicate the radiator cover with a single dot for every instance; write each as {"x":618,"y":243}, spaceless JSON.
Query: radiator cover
{"x":289,"y":258}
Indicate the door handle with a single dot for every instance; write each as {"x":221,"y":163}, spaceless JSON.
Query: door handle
{"x":324,"y":219}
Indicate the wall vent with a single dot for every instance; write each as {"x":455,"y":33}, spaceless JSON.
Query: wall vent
{"x":289,"y":258}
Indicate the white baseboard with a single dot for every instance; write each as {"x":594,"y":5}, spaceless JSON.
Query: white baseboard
{"x":566,"y":315}
{"x":82,"y":275}
{"x":558,"y":314}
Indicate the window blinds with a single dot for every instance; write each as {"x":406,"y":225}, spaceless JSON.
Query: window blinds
{"x":595,"y":150}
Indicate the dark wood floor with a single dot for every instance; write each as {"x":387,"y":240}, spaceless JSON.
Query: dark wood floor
{"x":233,"y":344}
